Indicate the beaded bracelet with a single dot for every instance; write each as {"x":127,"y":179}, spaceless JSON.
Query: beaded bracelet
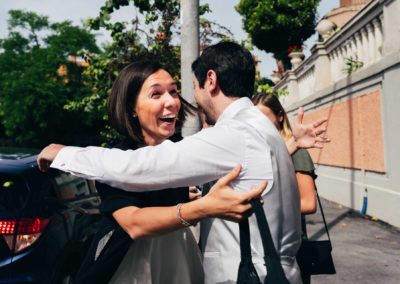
{"x":178,"y":214}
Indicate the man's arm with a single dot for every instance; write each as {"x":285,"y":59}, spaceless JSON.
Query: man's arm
{"x":47,"y":156}
{"x":203,"y":157}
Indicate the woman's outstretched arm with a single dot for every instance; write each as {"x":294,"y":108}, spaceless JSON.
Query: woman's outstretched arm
{"x":220,"y":202}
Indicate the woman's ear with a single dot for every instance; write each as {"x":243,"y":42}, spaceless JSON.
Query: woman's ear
{"x":280,"y":117}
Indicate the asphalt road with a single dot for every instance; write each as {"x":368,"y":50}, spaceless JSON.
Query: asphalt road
{"x":364,"y":251}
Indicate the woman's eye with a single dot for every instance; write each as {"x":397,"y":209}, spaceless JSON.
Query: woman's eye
{"x":155,"y":95}
{"x":173,"y":92}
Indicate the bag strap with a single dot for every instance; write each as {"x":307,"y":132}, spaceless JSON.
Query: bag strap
{"x":267,"y":242}
{"x":245,"y":250}
{"x":322,"y":213}
{"x":263,"y":227}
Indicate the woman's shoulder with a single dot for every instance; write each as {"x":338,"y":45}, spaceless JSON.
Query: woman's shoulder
{"x":301,"y":153}
{"x":123,"y":144}
{"x":129,"y":144}
{"x":302,"y":161}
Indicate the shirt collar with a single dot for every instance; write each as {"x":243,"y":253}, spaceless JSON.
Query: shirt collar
{"x":234,"y":108}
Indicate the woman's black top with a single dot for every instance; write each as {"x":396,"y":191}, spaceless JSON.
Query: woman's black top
{"x":111,"y":242}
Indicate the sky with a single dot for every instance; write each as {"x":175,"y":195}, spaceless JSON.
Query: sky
{"x":223,"y":12}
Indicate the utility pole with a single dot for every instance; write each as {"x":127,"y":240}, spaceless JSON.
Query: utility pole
{"x":189,"y":52}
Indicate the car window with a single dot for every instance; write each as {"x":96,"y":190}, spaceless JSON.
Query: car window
{"x":13,"y":193}
{"x":70,"y":187}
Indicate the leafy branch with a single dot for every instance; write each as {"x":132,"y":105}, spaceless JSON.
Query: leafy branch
{"x":264,"y":85}
{"x":352,"y":65}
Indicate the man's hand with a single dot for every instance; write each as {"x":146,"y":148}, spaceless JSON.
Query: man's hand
{"x":223,"y":202}
{"x":47,"y":156}
{"x":309,"y":135}
{"x":194,"y":193}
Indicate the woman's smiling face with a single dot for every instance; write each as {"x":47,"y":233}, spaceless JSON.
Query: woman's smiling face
{"x":157,"y":107}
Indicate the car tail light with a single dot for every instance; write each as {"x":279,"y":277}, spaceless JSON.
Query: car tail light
{"x":22,"y":233}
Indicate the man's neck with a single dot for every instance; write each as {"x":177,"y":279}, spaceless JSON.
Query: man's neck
{"x":221,"y":103}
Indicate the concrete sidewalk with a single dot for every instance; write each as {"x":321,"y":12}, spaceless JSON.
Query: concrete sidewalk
{"x":364,"y":251}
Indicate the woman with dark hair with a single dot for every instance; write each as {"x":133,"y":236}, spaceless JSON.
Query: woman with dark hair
{"x":125,"y":97}
{"x":270,"y":105}
{"x":145,"y":108}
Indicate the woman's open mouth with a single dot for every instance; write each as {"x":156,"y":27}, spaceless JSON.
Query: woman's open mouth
{"x":168,"y":118}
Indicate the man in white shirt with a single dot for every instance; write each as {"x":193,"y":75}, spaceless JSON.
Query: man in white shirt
{"x":224,"y":81}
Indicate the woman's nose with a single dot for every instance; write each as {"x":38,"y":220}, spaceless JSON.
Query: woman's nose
{"x":169,"y":99}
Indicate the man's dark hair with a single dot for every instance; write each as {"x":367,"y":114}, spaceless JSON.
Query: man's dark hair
{"x":234,"y":66}
{"x":122,"y":100}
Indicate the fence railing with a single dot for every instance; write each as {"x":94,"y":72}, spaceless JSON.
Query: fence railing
{"x":356,"y":46}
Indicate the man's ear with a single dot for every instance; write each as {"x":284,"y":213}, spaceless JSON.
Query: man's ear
{"x":212,"y":81}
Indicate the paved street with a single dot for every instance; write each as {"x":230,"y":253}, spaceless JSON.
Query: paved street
{"x":364,"y":251}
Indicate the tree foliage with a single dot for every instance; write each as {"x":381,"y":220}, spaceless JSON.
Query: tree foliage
{"x":152,"y":34}
{"x":274,"y":25}
{"x":39,"y":105}
{"x":33,"y":92}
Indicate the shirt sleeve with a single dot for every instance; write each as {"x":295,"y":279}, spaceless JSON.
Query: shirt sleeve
{"x":203,"y":157}
{"x":302,"y":162}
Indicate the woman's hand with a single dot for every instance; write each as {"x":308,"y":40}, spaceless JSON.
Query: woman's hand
{"x":309,"y":135}
{"x":223,"y":202}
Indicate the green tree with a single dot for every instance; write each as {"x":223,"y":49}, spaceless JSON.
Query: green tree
{"x":274,"y":25}
{"x":33,"y":91}
{"x":155,"y":37}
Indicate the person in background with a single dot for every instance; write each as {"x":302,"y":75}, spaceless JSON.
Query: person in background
{"x":304,"y":168}
{"x":145,"y":108}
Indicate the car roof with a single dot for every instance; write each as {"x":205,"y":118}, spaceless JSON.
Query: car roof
{"x":17,"y":160}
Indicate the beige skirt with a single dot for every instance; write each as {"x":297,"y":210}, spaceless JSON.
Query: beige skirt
{"x":170,"y":258}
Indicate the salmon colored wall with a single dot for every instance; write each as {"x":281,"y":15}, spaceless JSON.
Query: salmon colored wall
{"x":355,"y":128}
{"x":345,"y":3}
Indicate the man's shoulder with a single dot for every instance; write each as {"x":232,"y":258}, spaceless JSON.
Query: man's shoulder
{"x":241,"y":118}
{"x":235,"y":127}
{"x":253,"y":119}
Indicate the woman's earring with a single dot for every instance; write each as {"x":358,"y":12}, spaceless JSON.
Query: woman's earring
{"x":134,"y":115}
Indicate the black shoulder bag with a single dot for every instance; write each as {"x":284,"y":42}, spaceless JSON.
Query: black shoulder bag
{"x":314,"y":257}
{"x":247,"y":274}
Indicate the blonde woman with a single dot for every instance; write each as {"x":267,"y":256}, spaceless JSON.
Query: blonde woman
{"x":303,"y":164}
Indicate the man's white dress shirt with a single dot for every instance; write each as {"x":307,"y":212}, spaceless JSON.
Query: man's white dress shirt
{"x":242,"y":135}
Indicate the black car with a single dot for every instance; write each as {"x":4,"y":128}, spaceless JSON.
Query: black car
{"x":47,"y":220}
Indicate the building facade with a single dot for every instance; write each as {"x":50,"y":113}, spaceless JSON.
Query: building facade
{"x":353,"y":77}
